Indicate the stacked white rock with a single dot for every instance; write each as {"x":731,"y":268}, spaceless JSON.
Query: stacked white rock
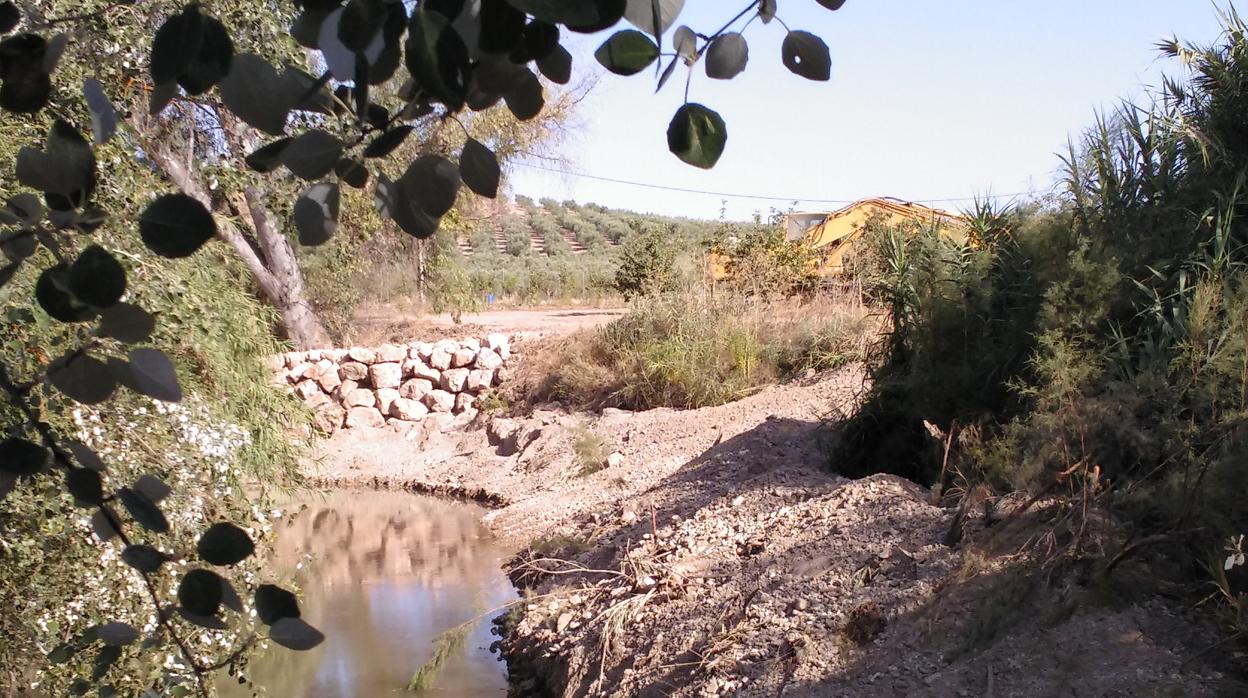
{"x":394,"y":383}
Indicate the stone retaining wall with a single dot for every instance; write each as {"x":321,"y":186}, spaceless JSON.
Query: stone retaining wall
{"x":394,"y":383}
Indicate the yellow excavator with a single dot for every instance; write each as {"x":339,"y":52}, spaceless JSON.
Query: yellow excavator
{"x":832,"y":235}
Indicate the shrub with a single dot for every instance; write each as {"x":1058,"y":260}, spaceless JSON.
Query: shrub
{"x":687,"y":352}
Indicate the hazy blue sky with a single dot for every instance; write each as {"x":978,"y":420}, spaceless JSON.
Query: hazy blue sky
{"x":928,"y":100}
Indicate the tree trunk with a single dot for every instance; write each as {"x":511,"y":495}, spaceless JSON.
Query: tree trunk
{"x":261,"y":246}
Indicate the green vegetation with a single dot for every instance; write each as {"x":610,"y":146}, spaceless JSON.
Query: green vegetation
{"x":1094,"y":345}
{"x":688,"y":351}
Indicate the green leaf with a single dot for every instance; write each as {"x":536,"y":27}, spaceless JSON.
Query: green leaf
{"x":10,"y":17}
{"x":224,"y":544}
{"x":154,"y":375}
{"x":96,"y":277}
{"x":627,"y":52}
{"x":437,"y":58}
{"x":831,"y":4}
{"x":697,"y":135}
{"x":255,"y":92}
{"x":540,"y":38}
{"x":143,"y":510}
{"x":212,"y":61}
{"x":117,"y":634}
{"x":338,"y":58}
{"x":574,"y":13}
{"x":525,"y":98}
{"x":502,"y":27}
{"x":27,"y":85}
{"x":65,"y":166}
{"x":53,"y":294}
{"x":22,"y":457}
{"x":653,"y":16}
{"x":316,"y":213}
{"x":767,"y":10}
{"x":176,"y":225}
{"x":268,"y":157}
{"x":434,"y":181}
{"x":176,"y":45}
{"x":806,"y":55}
{"x":200,"y":592}
{"x":313,"y":154}
{"x":556,"y":66}
{"x":127,"y":323}
{"x":383,"y":145}
{"x":103,"y":116}
{"x":274,"y":603}
{"x":352,"y":172}
{"x":83,"y":378}
{"x":143,"y":558}
{"x":396,"y":202}
{"x":86,"y":486}
{"x":727,"y":56}
{"x":478,"y":166}
{"x":295,"y":634}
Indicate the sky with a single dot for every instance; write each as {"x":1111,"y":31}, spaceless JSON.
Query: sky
{"x":929,"y":101}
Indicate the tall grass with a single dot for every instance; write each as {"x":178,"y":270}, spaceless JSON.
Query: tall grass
{"x":691,"y":351}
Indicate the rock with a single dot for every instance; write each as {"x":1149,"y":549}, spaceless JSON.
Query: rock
{"x":408,"y":410}
{"x":498,"y":343}
{"x":415,"y":368}
{"x":344,"y":390}
{"x":276,"y":363}
{"x":464,"y":402}
{"x":385,"y":398}
{"x":504,"y":434}
{"x":353,"y":371}
{"x":313,"y":356}
{"x":615,"y":460}
{"x":439,"y":401}
{"x":327,"y":375}
{"x":478,"y":380}
{"x":628,"y":518}
{"x":317,"y":399}
{"x":296,"y":374}
{"x":360,"y":397}
{"x":391,"y":353}
{"x":440,"y":358}
{"x":503,"y":375}
{"x":362,"y":355}
{"x":562,"y":623}
{"x":306,"y":389}
{"x":471,"y":343}
{"x":358,"y":417}
{"x":463,"y":357}
{"x":415,"y":389}
{"x":328,"y":418}
{"x":386,"y":375}
{"x":489,"y":359}
{"x":336,"y":355}
{"x":422,"y":350}
{"x":293,"y":358}
{"x":454,"y":380}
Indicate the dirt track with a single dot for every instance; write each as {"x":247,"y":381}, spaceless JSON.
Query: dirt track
{"x":721,"y":558}
{"x":382,"y":324}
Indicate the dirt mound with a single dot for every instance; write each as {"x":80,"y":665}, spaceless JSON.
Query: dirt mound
{"x":709,"y":552}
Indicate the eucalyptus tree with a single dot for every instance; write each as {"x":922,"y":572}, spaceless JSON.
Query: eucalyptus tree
{"x":218,"y":62}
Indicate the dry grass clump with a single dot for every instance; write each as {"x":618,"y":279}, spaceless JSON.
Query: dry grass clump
{"x":696,"y":351}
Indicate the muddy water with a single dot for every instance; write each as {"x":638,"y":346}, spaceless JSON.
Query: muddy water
{"x":383,"y":574}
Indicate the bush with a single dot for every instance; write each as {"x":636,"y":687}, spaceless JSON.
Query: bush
{"x":687,"y":352}
{"x":1105,"y":330}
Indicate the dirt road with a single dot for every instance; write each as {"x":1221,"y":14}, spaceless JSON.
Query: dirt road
{"x":381,"y":324}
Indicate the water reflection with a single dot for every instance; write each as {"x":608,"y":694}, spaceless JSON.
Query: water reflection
{"x":383,"y":573}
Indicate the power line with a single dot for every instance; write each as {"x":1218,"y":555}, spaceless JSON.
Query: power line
{"x":759,"y":197}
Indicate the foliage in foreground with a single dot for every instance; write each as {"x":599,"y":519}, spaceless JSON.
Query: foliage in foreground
{"x":688,"y":351}
{"x":1096,"y":345}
